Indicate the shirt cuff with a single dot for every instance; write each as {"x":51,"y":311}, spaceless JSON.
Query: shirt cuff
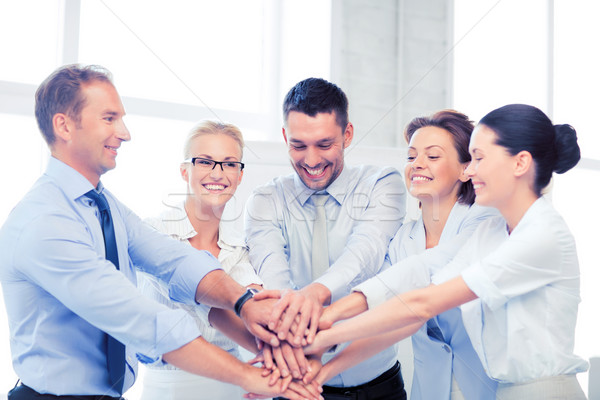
{"x":483,"y":287}
{"x":331,"y":282}
{"x":174,"y":329}
{"x":374,"y":291}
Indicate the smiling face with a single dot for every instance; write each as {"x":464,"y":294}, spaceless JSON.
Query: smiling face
{"x":491,"y":169}
{"x":212,"y":188}
{"x":90,"y":144}
{"x":316,"y":147}
{"x":433,"y":170}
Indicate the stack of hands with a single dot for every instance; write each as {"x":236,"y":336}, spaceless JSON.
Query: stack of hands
{"x":286,"y":325}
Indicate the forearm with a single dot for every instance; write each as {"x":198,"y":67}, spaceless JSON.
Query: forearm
{"x":217,"y":289}
{"x":203,"y":358}
{"x":346,"y":307}
{"x":227,"y":322}
{"x":413,"y":307}
{"x":363,"y":349}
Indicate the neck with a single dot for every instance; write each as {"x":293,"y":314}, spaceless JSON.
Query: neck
{"x":205,"y":221}
{"x":516,"y":208}
{"x":435,"y":215}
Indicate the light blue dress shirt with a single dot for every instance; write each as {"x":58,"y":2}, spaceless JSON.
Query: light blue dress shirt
{"x":523,"y":324}
{"x":62,"y":295}
{"x":366,"y":208}
{"x":435,"y":359}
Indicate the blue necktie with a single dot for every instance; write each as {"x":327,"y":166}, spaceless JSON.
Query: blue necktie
{"x":115,"y":358}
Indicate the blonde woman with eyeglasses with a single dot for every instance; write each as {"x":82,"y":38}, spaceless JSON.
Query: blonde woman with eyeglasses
{"x":212,"y":169}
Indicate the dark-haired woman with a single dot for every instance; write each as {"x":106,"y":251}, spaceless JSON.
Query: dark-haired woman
{"x":519,"y":274}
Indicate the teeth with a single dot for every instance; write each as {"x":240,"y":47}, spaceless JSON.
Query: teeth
{"x":477,"y":186}
{"x":214,"y":187}
{"x":315,"y":171}
{"x":420,"y":178}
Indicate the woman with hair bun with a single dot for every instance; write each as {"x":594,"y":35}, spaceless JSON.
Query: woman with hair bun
{"x":517,"y":279}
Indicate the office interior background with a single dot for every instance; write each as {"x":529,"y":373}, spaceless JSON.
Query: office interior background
{"x":179,"y":62}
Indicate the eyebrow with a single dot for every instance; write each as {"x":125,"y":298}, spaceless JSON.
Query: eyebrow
{"x":209,"y":157}
{"x":428,"y":147}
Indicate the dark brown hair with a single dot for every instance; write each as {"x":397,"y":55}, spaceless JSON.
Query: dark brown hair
{"x":460,"y":127}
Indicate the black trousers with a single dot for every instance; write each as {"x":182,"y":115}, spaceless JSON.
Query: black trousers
{"x":23,"y":392}
{"x":387,"y":386}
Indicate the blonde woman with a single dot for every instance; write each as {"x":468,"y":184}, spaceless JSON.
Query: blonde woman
{"x":212,"y":169}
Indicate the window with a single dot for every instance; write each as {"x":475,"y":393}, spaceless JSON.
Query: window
{"x":539,"y":53}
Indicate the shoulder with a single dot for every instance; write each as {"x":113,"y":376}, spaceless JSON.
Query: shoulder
{"x":372,"y":173}
{"x":544,"y":225}
{"x":275,"y":185}
{"x":172,"y":220}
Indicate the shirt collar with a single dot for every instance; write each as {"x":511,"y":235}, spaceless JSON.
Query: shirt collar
{"x":71,"y":182}
{"x":337,"y":189}
{"x":228,"y":238}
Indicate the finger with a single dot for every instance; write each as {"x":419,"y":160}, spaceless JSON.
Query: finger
{"x":264,"y":335}
{"x":314,"y":324}
{"x":280,"y":361}
{"x":303,"y":390}
{"x":278,"y":310}
{"x":268,"y":356}
{"x":306,"y":312}
{"x":285,"y":383}
{"x":301,"y":360}
{"x":267,"y":294}
{"x":259,"y":358}
{"x":290,"y":359}
{"x":275,"y":375}
{"x":288,"y":318}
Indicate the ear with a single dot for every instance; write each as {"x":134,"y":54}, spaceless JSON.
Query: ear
{"x":183,"y":170}
{"x":240,"y":177}
{"x":523,"y":163}
{"x":348,"y":134}
{"x":284,"y":135}
{"x":63,"y":126}
{"x":464,"y":177}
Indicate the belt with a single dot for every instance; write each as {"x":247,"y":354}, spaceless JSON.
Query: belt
{"x":388,"y":385}
{"x":24,"y":392}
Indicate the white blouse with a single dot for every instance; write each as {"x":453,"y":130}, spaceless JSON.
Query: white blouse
{"x":233,"y":258}
{"x":523,"y":324}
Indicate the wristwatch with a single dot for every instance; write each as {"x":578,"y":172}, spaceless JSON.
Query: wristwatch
{"x":250,"y":292}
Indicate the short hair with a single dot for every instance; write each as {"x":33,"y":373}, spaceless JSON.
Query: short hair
{"x":460,"y":127}
{"x":208,"y":127}
{"x":520,"y":127}
{"x":61,"y":93}
{"x":315,"y":95}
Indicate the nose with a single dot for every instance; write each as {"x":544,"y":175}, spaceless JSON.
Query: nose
{"x":122,"y":132}
{"x":417,"y":163}
{"x":470,"y":170}
{"x":312,"y":157}
{"x":216,"y":172}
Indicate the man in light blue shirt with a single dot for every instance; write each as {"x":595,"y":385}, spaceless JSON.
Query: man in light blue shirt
{"x":66,"y":301}
{"x":364,"y":207}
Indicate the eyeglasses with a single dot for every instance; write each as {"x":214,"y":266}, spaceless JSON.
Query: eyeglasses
{"x":226,"y":166}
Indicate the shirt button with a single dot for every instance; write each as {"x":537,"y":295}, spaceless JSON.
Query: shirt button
{"x":447,"y":348}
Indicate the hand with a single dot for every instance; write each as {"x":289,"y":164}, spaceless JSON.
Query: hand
{"x":318,"y":346}
{"x":296,"y":390}
{"x":304,"y":304}
{"x":255,"y":314}
{"x":314,"y":367}
{"x":327,"y":318}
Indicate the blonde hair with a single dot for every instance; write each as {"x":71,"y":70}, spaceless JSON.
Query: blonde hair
{"x":208,"y":127}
